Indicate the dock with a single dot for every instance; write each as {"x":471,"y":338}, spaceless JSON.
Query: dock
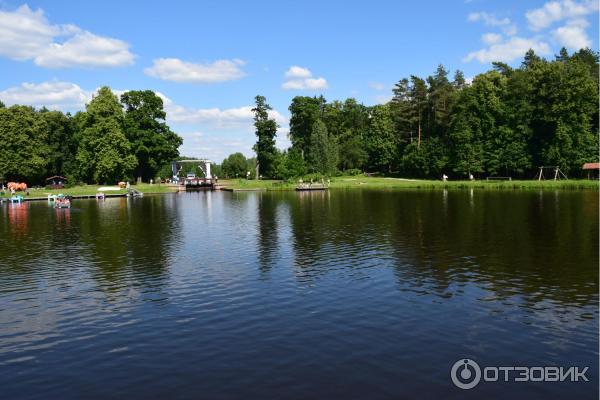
{"x":243,"y":189}
{"x":311,"y":186}
{"x":79,"y":196}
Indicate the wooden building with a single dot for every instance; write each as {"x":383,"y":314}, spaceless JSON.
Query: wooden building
{"x":593,"y":170}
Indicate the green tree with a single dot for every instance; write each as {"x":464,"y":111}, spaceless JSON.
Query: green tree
{"x":410,"y":98}
{"x":61,"y":142}
{"x":266,"y":130}
{"x":323,"y":154}
{"x":23,"y":148}
{"x":352,"y":152}
{"x":289,"y":164}
{"x":104,"y":153}
{"x":382,"y":139}
{"x":440,"y":102}
{"x":235,"y":166}
{"x":563,"y":114}
{"x":304,"y":112}
{"x":152,"y":141}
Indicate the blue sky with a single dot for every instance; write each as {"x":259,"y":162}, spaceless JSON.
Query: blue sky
{"x":209,"y":59}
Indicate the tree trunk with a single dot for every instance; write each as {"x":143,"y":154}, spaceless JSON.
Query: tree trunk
{"x":257,"y":170}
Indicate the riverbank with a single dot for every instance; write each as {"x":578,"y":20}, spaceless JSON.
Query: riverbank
{"x":91,"y":190}
{"x":342,"y":182}
{"x":363,"y":182}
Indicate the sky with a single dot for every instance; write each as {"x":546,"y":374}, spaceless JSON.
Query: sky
{"x":208,"y":60}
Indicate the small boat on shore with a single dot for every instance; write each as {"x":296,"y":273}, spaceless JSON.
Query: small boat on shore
{"x":100,"y":196}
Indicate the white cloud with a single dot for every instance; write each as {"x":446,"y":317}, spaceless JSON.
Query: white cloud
{"x":85,"y":49}
{"x":28,"y":35}
{"x":554,"y":11}
{"x":298,"y":72}
{"x":300,"y":78}
{"x":491,"y":38}
{"x":376,"y":86}
{"x":488,"y":19}
{"x":53,"y":95}
{"x":573,"y":35}
{"x":174,"y":69}
{"x":505,"y":24}
{"x":220,"y":118}
{"x":509,"y":50}
{"x":219,"y":132}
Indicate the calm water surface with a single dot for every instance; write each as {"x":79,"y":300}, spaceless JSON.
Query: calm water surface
{"x":346,"y":294}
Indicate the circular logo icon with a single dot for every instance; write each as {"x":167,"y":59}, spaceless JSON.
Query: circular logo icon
{"x":465,"y":373}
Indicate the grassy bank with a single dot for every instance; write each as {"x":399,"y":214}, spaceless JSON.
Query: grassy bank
{"x":351,"y":182}
{"x":91,"y":190}
{"x":342,"y":182}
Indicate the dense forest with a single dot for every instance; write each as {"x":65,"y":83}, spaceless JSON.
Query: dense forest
{"x":506,"y":122}
{"x":113,"y":139}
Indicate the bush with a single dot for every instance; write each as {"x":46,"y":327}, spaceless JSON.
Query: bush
{"x":353,"y":172}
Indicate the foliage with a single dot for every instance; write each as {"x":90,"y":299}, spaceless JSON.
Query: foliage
{"x":266,"y":130}
{"x":290,"y":164}
{"x":101,"y":144}
{"x":23,"y":143}
{"x":382,"y":139}
{"x":152,"y":141}
{"x":235,"y":166}
{"x":304,"y":112}
{"x":323,"y":154}
{"x":104,"y":154}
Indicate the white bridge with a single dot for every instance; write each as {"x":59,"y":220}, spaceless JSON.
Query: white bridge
{"x":189,"y":182}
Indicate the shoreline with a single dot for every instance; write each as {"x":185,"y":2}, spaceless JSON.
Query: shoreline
{"x":361,"y":182}
{"x":352,"y":183}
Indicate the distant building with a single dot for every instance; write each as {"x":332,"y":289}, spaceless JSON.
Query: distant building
{"x":55,"y":182}
{"x":593,"y":170}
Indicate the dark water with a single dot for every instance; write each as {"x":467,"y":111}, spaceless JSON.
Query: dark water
{"x":357,"y":294}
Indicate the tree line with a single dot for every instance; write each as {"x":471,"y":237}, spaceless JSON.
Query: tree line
{"x":506,"y":122}
{"x":113,"y":139}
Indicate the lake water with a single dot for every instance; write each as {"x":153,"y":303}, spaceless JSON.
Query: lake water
{"x":332,"y":295}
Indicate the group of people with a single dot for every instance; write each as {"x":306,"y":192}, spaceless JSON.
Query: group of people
{"x":445,"y":177}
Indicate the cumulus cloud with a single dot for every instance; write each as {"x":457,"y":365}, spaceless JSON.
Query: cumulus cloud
{"x":488,"y":19}
{"x":298,"y":72}
{"x":223,"y":131}
{"x":573,"y":35}
{"x":53,"y":95}
{"x":554,"y":11}
{"x":376,"y":86}
{"x":491,"y":38}
{"x":509,"y":50}
{"x":300,"y":78}
{"x":220,"y":118}
{"x":176,"y":70}
{"x":28,"y":35}
{"x":491,"y":20}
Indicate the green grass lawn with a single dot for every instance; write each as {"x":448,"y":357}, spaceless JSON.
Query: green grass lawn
{"x":363,"y":182}
{"x":93,"y":189}
{"x":341,"y":182}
